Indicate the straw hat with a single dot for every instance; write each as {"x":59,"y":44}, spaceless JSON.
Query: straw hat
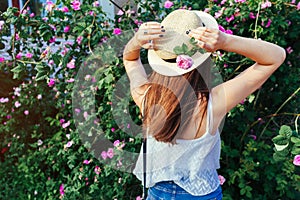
{"x":176,"y":24}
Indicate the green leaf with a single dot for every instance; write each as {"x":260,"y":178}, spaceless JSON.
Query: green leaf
{"x":280,"y":140}
{"x":185,"y":48}
{"x":285,"y":131}
{"x":177,"y":50}
{"x":278,"y":158}
{"x":295,"y":150}
{"x":295,"y":140}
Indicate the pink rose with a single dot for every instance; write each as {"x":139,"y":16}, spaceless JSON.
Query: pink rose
{"x":76,"y":4}
{"x":71,"y":64}
{"x":222,"y":179}
{"x":79,"y":40}
{"x":168,"y":4}
{"x":104,"y":155}
{"x":28,"y":55}
{"x":117,"y":31}
{"x":184,"y":61}
{"x":86,"y":162}
{"x":296,"y":160}
{"x":2,"y":59}
{"x":51,"y":82}
{"x":65,"y":9}
{"x":110,"y":152}
{"x":67,"y":29}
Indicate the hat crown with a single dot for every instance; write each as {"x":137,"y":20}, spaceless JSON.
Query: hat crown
{"x":176,"y":24}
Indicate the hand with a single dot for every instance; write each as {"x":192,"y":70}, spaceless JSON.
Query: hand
{"x":148,"y":33}
{"x":209,"y":39}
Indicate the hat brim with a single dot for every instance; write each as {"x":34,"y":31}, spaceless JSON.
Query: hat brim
{"x":171,"y":69}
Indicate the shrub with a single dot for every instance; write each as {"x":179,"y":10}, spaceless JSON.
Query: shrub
{"x":70,"y":130}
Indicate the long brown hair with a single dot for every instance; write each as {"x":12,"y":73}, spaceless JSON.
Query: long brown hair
{"x":170,"y":103}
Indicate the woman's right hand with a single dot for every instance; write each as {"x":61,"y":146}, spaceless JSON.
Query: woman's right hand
{"x":148,"y":33}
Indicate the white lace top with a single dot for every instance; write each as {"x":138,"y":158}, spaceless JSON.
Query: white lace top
{"x":191,"y":164}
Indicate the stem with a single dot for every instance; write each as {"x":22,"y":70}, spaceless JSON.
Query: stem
{"x":256,"y":20}
{"x":268,"y":116}
{"x":28,"y":62}
{"x":296,"y":124}
{"x":286,"y":101}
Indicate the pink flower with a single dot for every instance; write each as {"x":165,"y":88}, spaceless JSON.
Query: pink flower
{"x":65,"y":125}
{"x":222,"y":179}
{"x":4,"y":100}
{"x":61,"y":189}
{"x":120,"y":12}
{"x":298,"y":6}
{"x":296,"y":160}
{"x":26,"y":112}
{"x":229,"y":19}
{"x":86,"y":162}
{"x":65,"y":9}
{"x":138,"y":198}
{"x":269,"y":23}
{"x":67,"y":29}
{"x":117,"y":31}
{"x":96,"y":4}
{"x":51,"y":82}
{"x":2,"y":59}
{"x":71,"y":80}
{"x":79,"y":40}
{"x":49,"y":6}
{"x":184,"y":61}
{"x":69,"y":144}
{"x":289,"y":50}
{"x":52,"y":40}
{"x":28,"y":55}
{"x":113,"y":129}
{"x":76,"y":5}
{"x":229,"y":32}
{"x":19,"y":56}
{"x":110,"y":152}
{"x":221,"y":28}
{"x":266,"y":4}
{"x":1,"y":24}
{"x":239,"y":1}
{"x":17,"y":104}
{"x":71,"y":64}
{"x":97,"y":170}
{"x":293,"y":1}
{"x":32,"y":15}
{"x":168,"y":4}
{"x":251,"y":15}
{"x":104,"y":155}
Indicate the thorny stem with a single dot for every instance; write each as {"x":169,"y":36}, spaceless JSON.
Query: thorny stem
{"x":256,"y":20}
{"x":268,"y":116}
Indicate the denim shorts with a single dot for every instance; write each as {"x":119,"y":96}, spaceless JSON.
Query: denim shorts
{"x":168,"y":190}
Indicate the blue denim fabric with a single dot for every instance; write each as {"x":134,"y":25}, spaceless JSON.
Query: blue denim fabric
{"x":168,"y":190}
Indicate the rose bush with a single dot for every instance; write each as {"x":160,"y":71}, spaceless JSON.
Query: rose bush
{"x":64,"y":95}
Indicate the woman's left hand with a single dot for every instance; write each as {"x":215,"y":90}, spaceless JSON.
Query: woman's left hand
{"x":208,"y":39}
{"x":148,"y":33}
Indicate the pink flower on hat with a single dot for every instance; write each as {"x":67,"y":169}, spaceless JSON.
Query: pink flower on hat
{"x":184,"y":61}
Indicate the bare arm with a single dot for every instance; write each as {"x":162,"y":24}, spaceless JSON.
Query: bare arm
{"x":267,"y":56}
{"x":144,"y":38}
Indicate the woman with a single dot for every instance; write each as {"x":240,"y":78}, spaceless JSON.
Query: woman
{"x":182,"y":112}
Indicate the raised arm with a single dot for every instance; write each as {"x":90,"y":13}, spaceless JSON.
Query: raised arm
{"x":267,"y":56}
{"x":145,"y":37}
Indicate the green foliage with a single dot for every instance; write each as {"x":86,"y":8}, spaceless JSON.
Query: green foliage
{"x":65,"y":103}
